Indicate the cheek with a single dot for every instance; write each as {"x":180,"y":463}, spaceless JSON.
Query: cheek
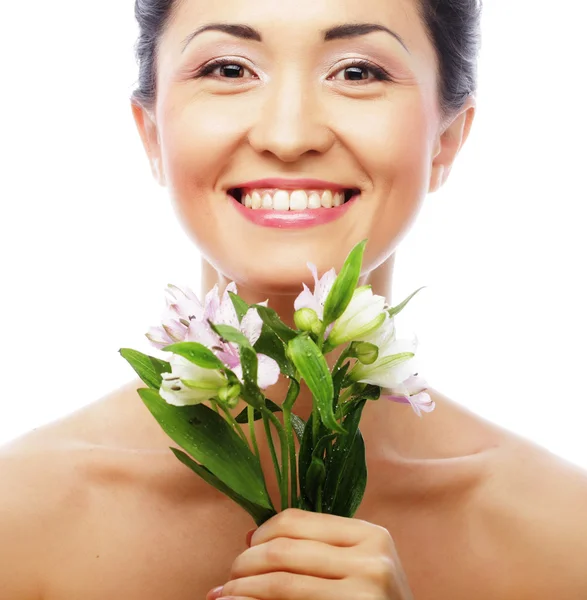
{"x":390,"y":138}
{"x":197,"y":140}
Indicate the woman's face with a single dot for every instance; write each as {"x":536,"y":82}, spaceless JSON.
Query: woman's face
{"x":356,"y":108}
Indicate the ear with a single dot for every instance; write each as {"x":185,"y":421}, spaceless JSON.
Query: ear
{"x":147,"y":127}
{"x":450,"y":140}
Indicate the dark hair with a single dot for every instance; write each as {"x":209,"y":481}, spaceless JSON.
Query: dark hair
{"x":453,"y":27}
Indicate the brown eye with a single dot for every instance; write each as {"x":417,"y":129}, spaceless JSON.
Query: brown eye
{"x":223,"y":69}
{"x":232,"y":71}
{"x":355,"y":73}
{"x":362,"y":70}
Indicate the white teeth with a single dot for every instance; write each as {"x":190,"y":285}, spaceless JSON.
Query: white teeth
{"x":281,"y":200}
{"x":267,"y":201}
{"x":314,"y":200}
{"x":294,"y":200}
{"x":327,"y":199}
{"x":256,"y":200}
{"x":298,"y":200}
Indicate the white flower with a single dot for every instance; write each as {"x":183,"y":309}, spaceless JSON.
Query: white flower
{"x":394,"y":370}
{"x":364,"y":314}
{"x":189,"y":384}
{"x":413,"y":392}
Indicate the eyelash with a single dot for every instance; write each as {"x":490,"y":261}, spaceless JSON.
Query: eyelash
{"x":380,"y":73}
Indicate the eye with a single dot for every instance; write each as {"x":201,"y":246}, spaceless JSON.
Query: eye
{"x":223,"y":68}
{"x":358,"y":70}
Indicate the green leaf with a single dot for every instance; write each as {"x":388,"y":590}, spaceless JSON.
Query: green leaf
{"x":337,"y":382}
{"x":315,"y":478}
{"x":292,"y":394}
{"x":148,"y":368}
{"x":243,"y":416}
{"x":305,"y":458}
{"x":298,"y":426}
{"x":346,"y":471}
{"x":260,"y":514}
{"x":312,"y":366}
{"x":197,"y":354}
{"x":272,"y":320}
{"x":250,"y":391}
{"x":344,"y":286}
{"x":394,"y":311}
{"x":231,"y":334}
{"x":271,"y":345}
{"x":212,"y":442}
{"x":240,"y":306}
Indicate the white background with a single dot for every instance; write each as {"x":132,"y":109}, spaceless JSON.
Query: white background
{"x":88,"y":241}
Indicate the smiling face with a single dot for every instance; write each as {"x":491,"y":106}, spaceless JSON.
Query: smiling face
{"x":298,"y":94}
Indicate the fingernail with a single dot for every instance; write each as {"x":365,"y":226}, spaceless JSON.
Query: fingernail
{"x":216,"y":591}
{"x":249,"y":536}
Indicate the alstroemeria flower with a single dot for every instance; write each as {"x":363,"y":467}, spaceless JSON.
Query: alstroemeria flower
{"x":182,"y":306}
{"x":193,"y":326}
{"x":189,"y":384}
{"x":364,"y":314}
{"x":412,"y":392}
{"x":395,"y":375}
{"x":316,"y":299}
{"x":222,"y":312}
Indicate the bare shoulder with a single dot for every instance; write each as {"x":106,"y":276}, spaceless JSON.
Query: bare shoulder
{"x":32,"y":492}
{"x":534,"y":504}
{"x":40,"y":499}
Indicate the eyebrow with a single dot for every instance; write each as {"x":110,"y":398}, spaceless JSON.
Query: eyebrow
{"x":338,"y":32}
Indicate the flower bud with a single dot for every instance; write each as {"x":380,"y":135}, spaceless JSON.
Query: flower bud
{"x":230,"y":395}
{"x":365,"y":352}
{"x":306,"y":319}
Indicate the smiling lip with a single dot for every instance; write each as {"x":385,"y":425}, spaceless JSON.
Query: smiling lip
{"x":292,"y":219}
{"x":292,"y":184}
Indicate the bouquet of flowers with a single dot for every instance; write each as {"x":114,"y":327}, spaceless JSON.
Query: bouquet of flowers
{"x":227,"y":350}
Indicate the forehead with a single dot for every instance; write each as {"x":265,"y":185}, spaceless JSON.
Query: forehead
{"x":301,"y":19}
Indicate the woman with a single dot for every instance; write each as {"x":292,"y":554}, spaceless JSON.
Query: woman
{"x":372,"y":99}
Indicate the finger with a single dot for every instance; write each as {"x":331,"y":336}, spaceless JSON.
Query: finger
{"x":214,"y":594}
{"x":286,"y":586}
{"x":320,"y":527}
{"x":305,"y":557}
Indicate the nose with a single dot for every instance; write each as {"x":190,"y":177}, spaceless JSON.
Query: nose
{"x":291,"y":122}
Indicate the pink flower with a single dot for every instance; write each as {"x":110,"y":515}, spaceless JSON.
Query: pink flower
{"x":316,"y":299}
{"x":181,"y":307}
{"x":412,"y":391}
{"x":187,"y":321}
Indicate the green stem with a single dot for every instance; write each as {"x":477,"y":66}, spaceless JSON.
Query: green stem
{"x":232,"y":420}
{"x":283,"y":479}
{"x":319,"y":499}
{"x":315,"y":422}
{"x":251,"y":418}
{"x":292,"y":457}
{"x":272,"y":448}
{"x":343,"y":356}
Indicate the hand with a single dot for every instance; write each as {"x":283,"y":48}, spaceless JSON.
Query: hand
{"x":300,"y":555}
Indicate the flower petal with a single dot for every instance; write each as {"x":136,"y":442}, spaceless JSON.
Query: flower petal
{"x":268,"y":371}
{"x":251,"y":325}
{"x":183,"y":302}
